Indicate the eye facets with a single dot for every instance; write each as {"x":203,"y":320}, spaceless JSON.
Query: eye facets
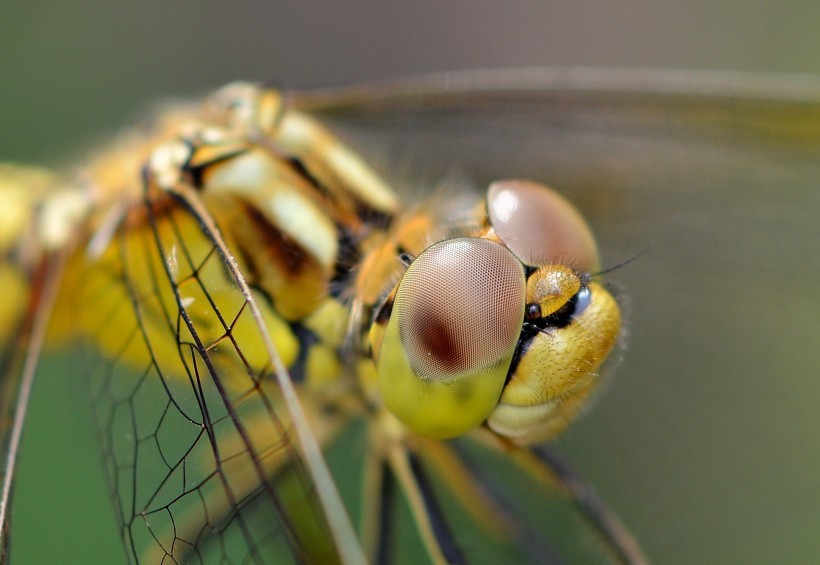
{"x":460,"y":307}
{"x":452,"y":335}
{"x":540,"y":226}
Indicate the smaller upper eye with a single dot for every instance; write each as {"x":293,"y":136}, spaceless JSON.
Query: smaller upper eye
{"x":533,"y":312}
{"x":540,"y":226}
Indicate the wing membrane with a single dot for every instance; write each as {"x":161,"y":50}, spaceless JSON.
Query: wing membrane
{"x":17,"y":369}
{"x":196,"y":435}
{"x":29,"y":283}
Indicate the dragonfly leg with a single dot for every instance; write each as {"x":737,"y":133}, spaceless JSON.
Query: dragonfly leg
{"x":479,"y":495}
{"x":374,"y":512}
{"x":545,"y":465}
{"x":430,"y":520}
{"x":603,"y":518}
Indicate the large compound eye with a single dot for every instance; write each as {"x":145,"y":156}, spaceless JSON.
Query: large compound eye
{"x":540,"y":226}
{"x":452,"y":333}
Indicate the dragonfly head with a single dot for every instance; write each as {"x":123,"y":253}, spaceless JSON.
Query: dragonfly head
{"x":504,"y":328}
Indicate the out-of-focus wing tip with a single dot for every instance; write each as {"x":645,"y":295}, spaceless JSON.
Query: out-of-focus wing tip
{"x":738,"y":85}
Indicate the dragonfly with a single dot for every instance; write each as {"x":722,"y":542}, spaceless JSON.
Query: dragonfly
{"x":208,"y":369}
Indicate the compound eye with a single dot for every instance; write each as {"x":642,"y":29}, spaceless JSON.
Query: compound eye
{"x":540,"y":226}
{"x":459,"y":308}
{"x":452,"y":333}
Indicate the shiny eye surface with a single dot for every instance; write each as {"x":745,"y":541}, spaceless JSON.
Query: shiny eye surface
{"x":453,"y":330}
{"x":459,"y":308}
{"x":540,"y":226}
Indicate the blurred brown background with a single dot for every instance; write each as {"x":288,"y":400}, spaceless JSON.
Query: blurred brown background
{"x":74,"y":71}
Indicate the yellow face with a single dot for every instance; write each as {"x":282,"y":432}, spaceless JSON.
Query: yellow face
{"x":506,"y":327}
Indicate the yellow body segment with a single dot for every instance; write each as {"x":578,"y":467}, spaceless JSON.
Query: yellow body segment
{"x":336,"y":166}
{"x":14,"y":299}
{"x":21,"y":189}
{"x":284,"y":198}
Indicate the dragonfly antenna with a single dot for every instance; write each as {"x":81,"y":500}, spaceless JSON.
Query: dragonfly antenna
{"x":625,"y":262}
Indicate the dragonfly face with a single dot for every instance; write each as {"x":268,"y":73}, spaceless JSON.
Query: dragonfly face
{"x":494,"y":328}
{"x":210,"y":452}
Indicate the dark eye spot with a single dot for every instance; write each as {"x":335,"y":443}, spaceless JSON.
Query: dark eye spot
{"x":443,"y":349}
{"x":533,"y":311}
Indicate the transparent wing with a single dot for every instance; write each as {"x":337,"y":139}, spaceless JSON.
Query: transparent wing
{"x":709,"y":430}
{"x":29,"y":287}
{"x":26,"y":315}
{"x":201,"y":445}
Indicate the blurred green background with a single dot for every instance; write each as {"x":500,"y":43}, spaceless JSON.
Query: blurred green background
{"x":696,"y":482}
{"x":73,"y":69}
